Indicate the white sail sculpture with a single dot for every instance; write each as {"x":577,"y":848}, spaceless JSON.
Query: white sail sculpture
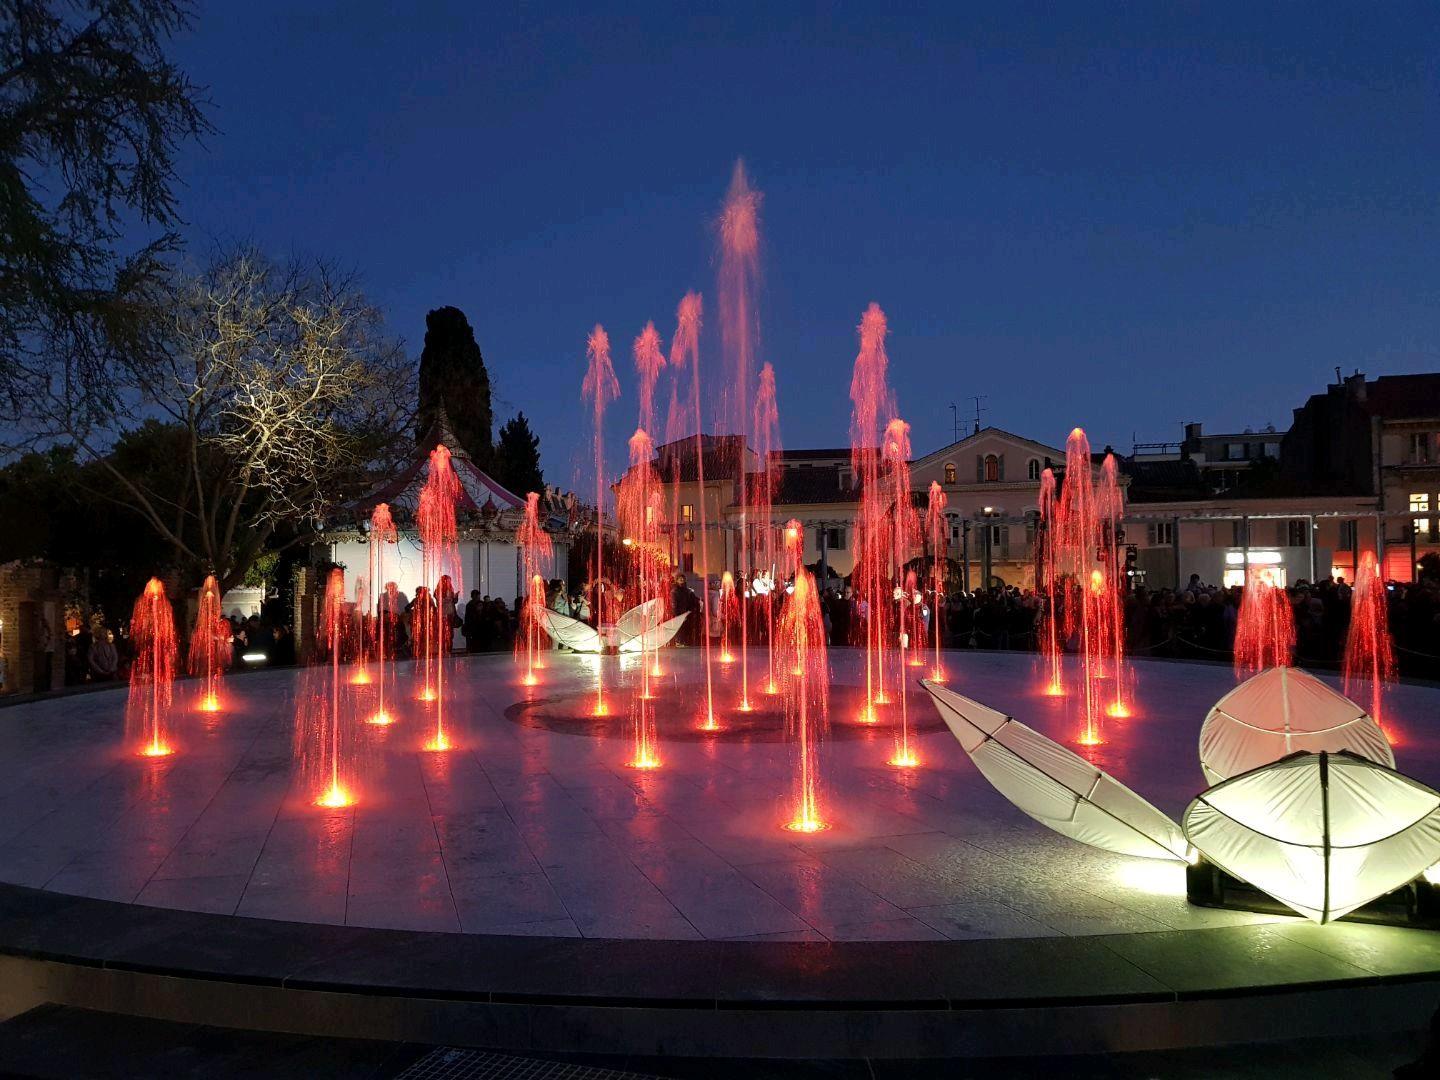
{"x":637,"y":629}
{"x":1278,"y":712}
{"x":1322,"y":833}
{"x":1054,"y":786}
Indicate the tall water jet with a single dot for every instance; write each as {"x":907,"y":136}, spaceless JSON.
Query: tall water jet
{"x":1369,"y":651}
{"x":1052,"y":587}
{"x":762,"y":500}
{"x":936,"y":525}
{"x":649,"y":362}
{"x":903,"y":527}
{"x":1078,"y":544}
{"x":804,"y":679}
{"x":152,"y":673}
{"x":384,"y":593}
{"x":685,"y":348}
{"x":210,"y":649}
{"x":639,"y":508}
{"x":361,"y":634}
{"x":872,"y":407}
{"x":325,"y":739}
{"x":1264,"y":628}
{"x":599,"y":388}
{"x":536,"y":553}
{"x":739,"y":335}
{"x":1110,"y":505}
{"x":440,"y":569}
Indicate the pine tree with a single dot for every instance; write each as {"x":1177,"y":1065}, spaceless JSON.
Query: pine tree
{"x":517,"y":457}
{"x":452,"y":373}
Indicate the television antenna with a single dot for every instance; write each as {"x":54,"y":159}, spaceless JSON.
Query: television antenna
{"x":979,"y":408}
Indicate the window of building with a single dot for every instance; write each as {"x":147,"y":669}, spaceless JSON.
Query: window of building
{"x":997,"y":536}
{"x":1421,"y":444}
{"x":1420,"y":503}
{"x":833,"y":539}
{"x":950,"y":474}
{"x":1235,"y":451}
{"x":1297,"y":533}
{"x":687,"y":517}
{"x":687,"y":562}
{"x":992,"y":468}
{"x":1272,"y":449}
{"x":1160,"y":533}
{"x":1033,"y":469}
{"x":1238,"y":530}
{"x":1349,"y":532}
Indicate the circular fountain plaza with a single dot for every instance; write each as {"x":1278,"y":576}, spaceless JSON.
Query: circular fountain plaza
{"x":530,"y":887}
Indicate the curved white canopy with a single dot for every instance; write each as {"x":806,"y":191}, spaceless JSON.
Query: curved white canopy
{"x":638,"y":619}
{"x":656,"y":637}
{"x":1322,"y":833}
{"x":1278,"y":712}
{"x":1054,"y":786}
{"x":572,"y":633}
{"x":637,"y":629}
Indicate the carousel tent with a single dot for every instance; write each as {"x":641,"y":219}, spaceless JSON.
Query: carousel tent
{"x":1323,"y":833}
{"x":1054,"y":786}
{"x":1277,"y":712}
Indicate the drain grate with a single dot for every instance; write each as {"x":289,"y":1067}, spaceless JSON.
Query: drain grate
{"x":449,"y":1063}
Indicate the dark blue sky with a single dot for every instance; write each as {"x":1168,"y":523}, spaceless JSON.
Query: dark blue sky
{"x":1115,"y":216}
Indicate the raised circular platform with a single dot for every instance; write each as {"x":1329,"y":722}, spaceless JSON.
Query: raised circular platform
{"x":529,"y":889}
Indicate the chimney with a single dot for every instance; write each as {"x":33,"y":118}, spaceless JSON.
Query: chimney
{"x":1192,"y":430}
{"x":1355,"y":386}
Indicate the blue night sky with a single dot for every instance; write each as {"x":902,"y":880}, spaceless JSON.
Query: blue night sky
{"x":1116,"y":216}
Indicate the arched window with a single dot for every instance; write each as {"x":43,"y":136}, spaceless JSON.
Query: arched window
{"x":1033,"y":470}
{"x":950,"y":477}
{"x":992,"y":467}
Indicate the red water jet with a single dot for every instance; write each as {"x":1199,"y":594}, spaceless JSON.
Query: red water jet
{"x":903,"y":527}
{"x":1264,"y":627}
{"x":727,"y":616}
{"x":600,"y":387}
{"x":761,"y":492}
{"x":1110,"y":607}
{"x":1369,"y":650}
{"x":638,"y":509}
{"x":152,"y":673}
{"x":872,"y":408}
{"x":1052,"y":587}
{"x":383,"y":535}
{"x":440,"y":569}
{"x":325,"y":736}
{"x":210,"y":649}
{"x":536,"y":553}
{"x":939,"y":530}
{"x":804,"y":679}
{"x":739,"y":335}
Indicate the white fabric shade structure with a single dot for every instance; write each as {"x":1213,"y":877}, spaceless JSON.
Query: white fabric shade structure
{"x":639,"y":628}
{"x":1281,"y":711}
{"x":1054,"y":786}
{"x":1322,"y":833}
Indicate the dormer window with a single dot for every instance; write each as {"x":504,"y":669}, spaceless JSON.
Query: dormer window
{"x":950,"y":474}
{"x":1033,"y":469}
{"x":992,"y":468}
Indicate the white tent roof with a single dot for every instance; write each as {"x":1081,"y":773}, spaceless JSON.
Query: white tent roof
{"x":1278,"y":712}
{"x":637,"y":629}
{"x":1056,"y":787}
{"x":1322,"y":833}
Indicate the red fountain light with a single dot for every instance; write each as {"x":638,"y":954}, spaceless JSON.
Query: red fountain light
{"x":872,"y":406}
{"x":727,"y":616}
{"x":685,"y":347}
{"x":639,"y":508}
{"x":1052,"y":587}
{"x":1089,"y":615}
{"x":1110,"y":607}
{"x":1265,"y":626}
{"x":536,"y":551}
{"x":383,"y":534}
{"x":902,"y":531}
{"x":360,"y":671}
{"x":939,"y":530}
{"x":739,"y":278}
{"x":804,"y":674}
{"x":440,"y":569}
{"x":152,"y":674}
{"x":600,"y":388}
{"x":1369,"y":650}
{"x":210,"y":649}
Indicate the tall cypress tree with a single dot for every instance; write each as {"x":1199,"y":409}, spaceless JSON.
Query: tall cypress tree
{"x":517,"y":457}
{"x":452,"y":373}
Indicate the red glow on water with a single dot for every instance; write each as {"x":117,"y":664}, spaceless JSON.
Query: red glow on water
{"x":1369,"y":650}
{"x":1264,"y":627}
{"x":360,"y":677}
{"x":439,"y":744}
{"x":381,"y":719}
{"x":210,"y":649}
{"x":1054,"y":689}
{"x":335,"y":798}
{"x":1088,"y":737}
{"x":152,"y":674}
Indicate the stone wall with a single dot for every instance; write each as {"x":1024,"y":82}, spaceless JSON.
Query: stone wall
{"x":30,"y":593}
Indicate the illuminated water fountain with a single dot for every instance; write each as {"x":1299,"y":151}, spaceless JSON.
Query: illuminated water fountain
{"x":1264,"y":627}
{"x":639,"y":510}
{"x":762,"y":499}
{"x":804,"y":678}
{"x":1052,"y":586}
{"x":900,"y":517}
{"x":600,"y":387}
{"x":152,"y":674}
{"x":325,"y":729}
{"x":936,"y":525}
{"x":1369,"y":651}
{"x":383,"y":538}
{"x":440,"y":569}
{"x":536,"y":553}
{"x":210,"y":648}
